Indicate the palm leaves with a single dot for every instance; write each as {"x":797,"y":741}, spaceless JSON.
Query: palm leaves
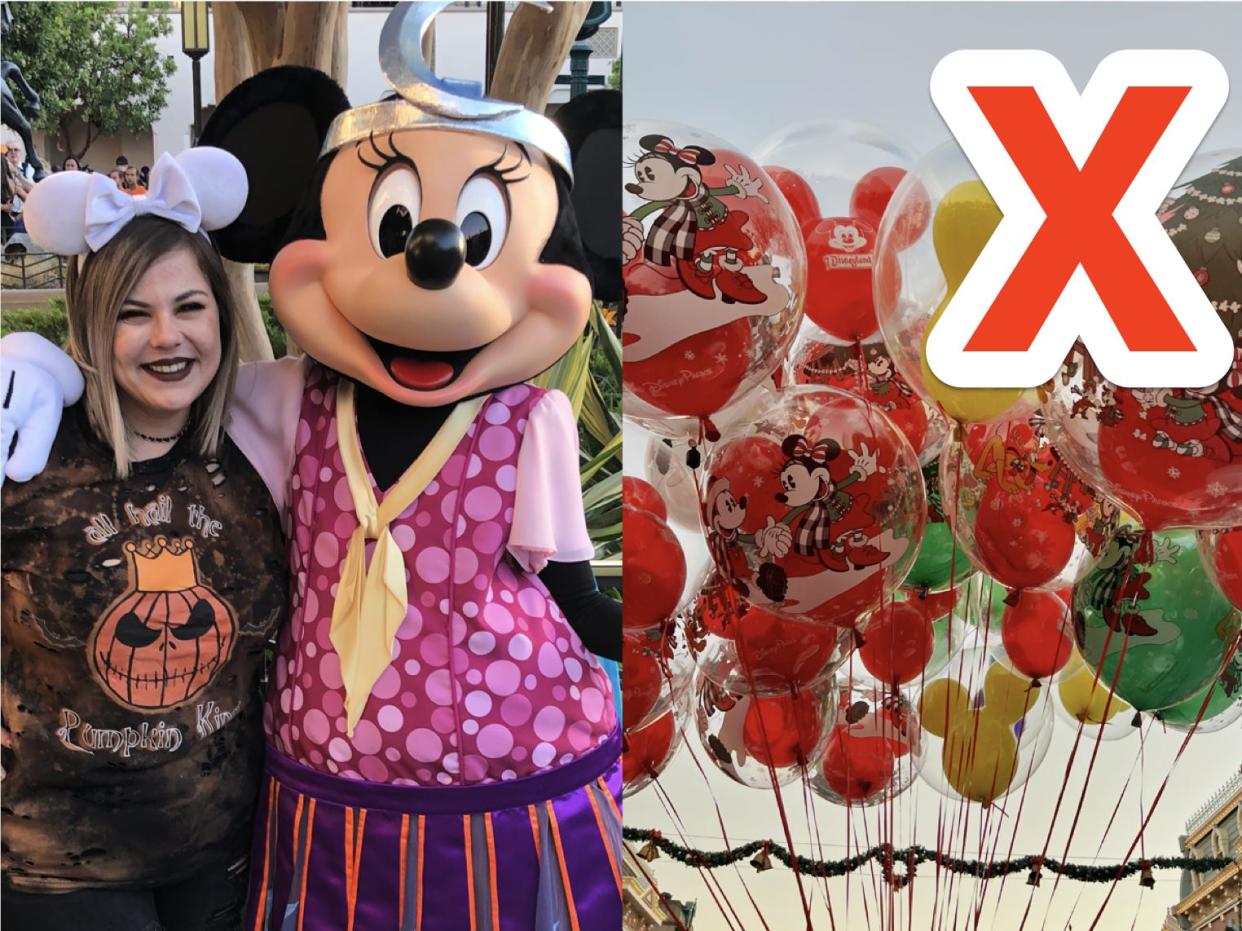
{"x":590,"y":374}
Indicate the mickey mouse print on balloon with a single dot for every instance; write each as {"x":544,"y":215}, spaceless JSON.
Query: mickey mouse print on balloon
{"x":713,"y":266}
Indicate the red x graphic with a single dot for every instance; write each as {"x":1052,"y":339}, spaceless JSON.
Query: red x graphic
{"x":1079,"y":227}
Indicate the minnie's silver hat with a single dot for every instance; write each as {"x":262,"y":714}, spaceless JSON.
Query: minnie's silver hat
{"x":426,"y":101}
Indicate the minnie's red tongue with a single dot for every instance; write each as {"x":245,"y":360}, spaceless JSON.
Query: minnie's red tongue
{"x":421,"y":374}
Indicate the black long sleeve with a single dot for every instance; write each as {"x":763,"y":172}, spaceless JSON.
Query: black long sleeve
{"x":594,"y":616}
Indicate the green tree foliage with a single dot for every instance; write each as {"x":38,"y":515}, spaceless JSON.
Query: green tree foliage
{"x":614,"y":79}
{"x":96,"y":63}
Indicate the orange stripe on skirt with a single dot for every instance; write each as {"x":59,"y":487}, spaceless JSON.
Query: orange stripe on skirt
{"x":534,"y":829}
{"x":405,"y":837}
{"x":560,"y":858}
{"x":353,"y":856}
{"x":418,"y":908}
{"x":612,"y":802}
{"x":603,"y":836}
{"x":310,"y":833}
{"x":272,"y":788}
{"x":465,"y":821}
{"x":491,"y":870}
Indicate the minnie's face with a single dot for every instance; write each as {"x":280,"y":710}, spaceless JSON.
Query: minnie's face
{"x":659,"y":179}
{"x":803,"y":485}
{"x":428,"y":286}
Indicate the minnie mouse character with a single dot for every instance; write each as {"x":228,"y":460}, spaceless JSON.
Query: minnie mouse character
{"x":695,"y":232}
{"x":818,"y":501}
{"x":440,"y":736}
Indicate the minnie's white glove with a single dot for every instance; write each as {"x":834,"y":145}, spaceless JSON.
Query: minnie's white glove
{"x":37,"y":381}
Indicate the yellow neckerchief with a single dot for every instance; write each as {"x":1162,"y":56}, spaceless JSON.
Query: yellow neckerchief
{"x":371,"y":603}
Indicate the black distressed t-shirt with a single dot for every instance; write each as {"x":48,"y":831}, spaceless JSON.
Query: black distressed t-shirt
{"x":136,"y":613}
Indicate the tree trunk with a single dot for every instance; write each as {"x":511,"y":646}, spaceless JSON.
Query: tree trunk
{"x":249,"y":37}
{"x":535,"y":47}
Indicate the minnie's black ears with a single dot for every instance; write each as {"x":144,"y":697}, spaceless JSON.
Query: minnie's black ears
{"x":592,"y":125}
{"x":275,"y":123}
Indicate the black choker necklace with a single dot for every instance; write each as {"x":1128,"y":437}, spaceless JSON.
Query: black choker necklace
{"x":161,"y":439}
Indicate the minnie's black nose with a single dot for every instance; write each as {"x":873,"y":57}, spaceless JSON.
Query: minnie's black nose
{"x":435,"y":251}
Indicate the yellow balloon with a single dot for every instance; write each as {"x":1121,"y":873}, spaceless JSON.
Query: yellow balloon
{"x":1008,"y":696}
{"x":980,"y":756}
{"x":942,"y":702}
{"x":965,"y":219}
{"x":1085,"y":699}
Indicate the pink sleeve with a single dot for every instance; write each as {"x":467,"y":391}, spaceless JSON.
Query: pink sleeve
{"x":263,"y":419}
{"x":548,"y":523}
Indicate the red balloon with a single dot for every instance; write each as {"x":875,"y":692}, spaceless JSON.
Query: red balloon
{"x":1170,"y":453}
{"x":1222,"y":552}
{"x":773,"y":648}
{"x":857,"y":767}
{"x":697,"y":376}
{"x":797,"y":193}
{"x":866,"y":371}
{"x":1021,"y":544}
{"x":654,"y":572}
{"x":1035,"y":632}
{"x":640,"y":494}
{"x":899,"y":639}
{"x":839,"y":256}
{"x":871,"y":196}
{"x":647,"y":749}
{"x":782,"y":730}
{"x":643,"y":677}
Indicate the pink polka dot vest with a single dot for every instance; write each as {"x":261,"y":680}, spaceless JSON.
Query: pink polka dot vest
{"x":488,"y":681}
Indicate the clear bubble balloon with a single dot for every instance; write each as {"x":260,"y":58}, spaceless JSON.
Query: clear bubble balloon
{"x":916,"y":275}
{"x":866,"y":370}
{"x":714,"y":270}
{"x":814,"y":511}
{"x":874,"y":749}
{"x":647,"y":751}
{"x":744,"y":649}
{"x":1082,"y":700}
{"x":751,"y":737}
{"x":657,"y":668}
{"x":986,"y":727}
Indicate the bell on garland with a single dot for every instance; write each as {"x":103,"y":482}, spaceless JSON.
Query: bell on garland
{"x":649,"y":850}
{"x":1146,"y":880}
{"x":1033,"y":879}
{"x":762,"y":860}
{"x":899,"y":881}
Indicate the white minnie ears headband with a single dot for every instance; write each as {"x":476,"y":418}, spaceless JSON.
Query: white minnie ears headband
{"x":76,"y":213}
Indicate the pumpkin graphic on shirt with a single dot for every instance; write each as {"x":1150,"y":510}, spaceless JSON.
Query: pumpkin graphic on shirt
{"x":163,"y":640}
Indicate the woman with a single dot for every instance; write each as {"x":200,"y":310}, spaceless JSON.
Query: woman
{"x":70,"y":164}
{"x":143,"y":574}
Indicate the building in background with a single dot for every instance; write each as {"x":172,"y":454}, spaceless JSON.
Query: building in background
{"x":645,"y":908}
{"x":1213,"y":901}
{"x":461,"y":32}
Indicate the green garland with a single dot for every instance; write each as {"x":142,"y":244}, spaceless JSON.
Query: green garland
{"x":911,"y":857}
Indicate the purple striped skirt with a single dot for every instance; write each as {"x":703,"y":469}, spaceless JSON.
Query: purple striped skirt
{"x":532,"y":854}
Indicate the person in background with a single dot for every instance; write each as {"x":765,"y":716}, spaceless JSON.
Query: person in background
{"x":118,"y":177}
{"x":19,"y":187}
{"x":144,"y":176}
{"x":132,"y":184}
{"x":70,"y":164}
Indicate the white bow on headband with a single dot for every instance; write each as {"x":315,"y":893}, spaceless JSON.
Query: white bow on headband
{"x":72,"y":213}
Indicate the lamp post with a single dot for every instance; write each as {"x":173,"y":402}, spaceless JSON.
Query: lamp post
{"x":195,"y":42}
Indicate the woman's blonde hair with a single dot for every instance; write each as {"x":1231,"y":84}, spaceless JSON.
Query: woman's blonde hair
{"x":95,"y":287}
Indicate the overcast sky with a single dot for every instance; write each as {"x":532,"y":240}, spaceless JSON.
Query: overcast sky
{"x":743,"y":71}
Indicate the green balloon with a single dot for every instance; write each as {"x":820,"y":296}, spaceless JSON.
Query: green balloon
{"x":1180,"y":627}
{"x":1226,"y":692}
{"x":941,"y":561}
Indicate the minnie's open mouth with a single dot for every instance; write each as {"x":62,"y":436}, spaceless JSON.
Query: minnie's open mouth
{"x":419,"y":369}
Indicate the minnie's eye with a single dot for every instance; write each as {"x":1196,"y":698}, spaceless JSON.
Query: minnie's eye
{"x":483,"y":217}
{"x":393,"y":211}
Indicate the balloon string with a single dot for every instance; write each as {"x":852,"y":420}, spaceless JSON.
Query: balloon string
{"x":748,"y":668}
{"x":694,"y":758}
{"x":1207,"y":697}
{"x":813,"y":828}
{"x":875,"y":892}
{"x":672,"y":913}
{"x":1103,"y":837}
{"x":707,"y":876}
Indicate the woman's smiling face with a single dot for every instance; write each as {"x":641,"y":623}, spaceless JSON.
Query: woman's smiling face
{"x":166,"y":345}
